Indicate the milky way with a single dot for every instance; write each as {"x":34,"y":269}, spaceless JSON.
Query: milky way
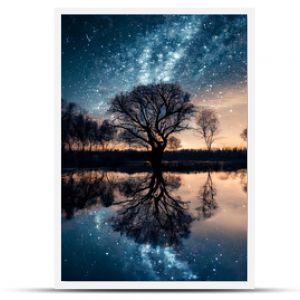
{"x":103,"y":55}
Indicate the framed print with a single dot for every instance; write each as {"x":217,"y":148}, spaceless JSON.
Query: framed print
{"x":154,"y":149}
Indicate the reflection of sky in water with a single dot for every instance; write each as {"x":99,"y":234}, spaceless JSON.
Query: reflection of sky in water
{"x":216,"y":249}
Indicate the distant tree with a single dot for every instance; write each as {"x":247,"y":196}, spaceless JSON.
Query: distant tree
{"x":244,"y":134}
{"x":90,"y":132}
{"x":150,"y":114}
{"x":174,"y":143}
{"x":208,"y":126}
{"x":106,"y":133}
{"x":79,"y":130}
{"x":208,"y":202}
{"x":69,"y":112}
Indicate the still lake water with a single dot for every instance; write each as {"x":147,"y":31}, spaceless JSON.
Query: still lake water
{"x":146,"y":226}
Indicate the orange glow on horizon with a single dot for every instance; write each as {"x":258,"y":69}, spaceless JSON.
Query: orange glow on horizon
{"x":230,"y":105}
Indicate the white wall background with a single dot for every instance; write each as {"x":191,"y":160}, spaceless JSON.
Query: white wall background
{"x":27,"y":147}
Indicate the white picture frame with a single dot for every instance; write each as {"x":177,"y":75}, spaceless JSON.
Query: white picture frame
{"x":149,"y":285}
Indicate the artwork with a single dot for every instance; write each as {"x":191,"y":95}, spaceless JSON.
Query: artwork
{"x":154,"y":148}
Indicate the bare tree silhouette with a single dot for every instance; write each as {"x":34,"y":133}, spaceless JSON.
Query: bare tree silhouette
{"x":207,"y":194}
{"x":150,"y":214}
{"x":106,"y":133}
{"x":69,"y":111}
{"x":89,"y":136}
{"x":244,"y":134}
{"x":150,"y":114}
{"x":208,"y":126}
{"x":174,"y":143}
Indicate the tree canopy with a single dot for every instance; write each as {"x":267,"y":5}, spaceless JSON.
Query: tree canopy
{"x":208,"y":126}
{"x":150,"y":114}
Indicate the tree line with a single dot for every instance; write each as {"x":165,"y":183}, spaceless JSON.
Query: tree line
{"x":149,"y":116}
{"x":81,"y":132}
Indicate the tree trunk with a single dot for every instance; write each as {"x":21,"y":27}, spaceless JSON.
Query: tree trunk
{"x":70,"y":146}
{"x":156,"y":157}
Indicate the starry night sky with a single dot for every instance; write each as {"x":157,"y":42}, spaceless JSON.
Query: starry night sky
{"x":103,"y":55}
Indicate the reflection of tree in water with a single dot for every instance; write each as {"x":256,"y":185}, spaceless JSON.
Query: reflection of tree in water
{"x":83,"y":190}
{"x":148,"y":210}
{"x":208,"y":203}
{"x":244,"y":179}
{"x":150,"y":214}
{"x":241,"y":174}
